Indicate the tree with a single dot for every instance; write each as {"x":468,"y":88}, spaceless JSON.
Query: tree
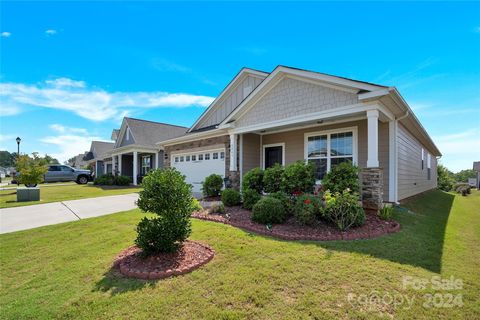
{"x":31,"y":169}
{"x":7,"y":159}
{"x":166,"y":194}
{"x":445,"y":178}
{"x":462,"y":176}
{"x":50,"y":160}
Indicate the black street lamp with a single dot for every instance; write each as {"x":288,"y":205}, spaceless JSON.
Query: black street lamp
{"x":18,"y":146}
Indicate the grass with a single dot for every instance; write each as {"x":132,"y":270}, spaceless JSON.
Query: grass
{"x":8,"y":198}
{"x":63,"y":271}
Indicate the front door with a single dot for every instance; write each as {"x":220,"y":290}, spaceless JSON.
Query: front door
{"x":273,"y":155}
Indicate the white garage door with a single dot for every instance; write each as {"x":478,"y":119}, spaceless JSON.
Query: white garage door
{"x":196,"y":166}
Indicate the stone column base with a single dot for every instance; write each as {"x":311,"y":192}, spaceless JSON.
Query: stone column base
{"x":234,"y":177}
{"x":372,"y":188}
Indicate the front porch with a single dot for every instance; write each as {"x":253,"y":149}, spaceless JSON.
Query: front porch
{"x":135,"y":163}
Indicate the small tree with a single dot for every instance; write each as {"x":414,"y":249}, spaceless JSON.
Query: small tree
{"x":445,"y":178}
{"x":166,"y":194}
{"x":31,"y":169}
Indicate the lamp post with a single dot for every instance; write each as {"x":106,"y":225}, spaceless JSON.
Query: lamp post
{"x":18,"y":145}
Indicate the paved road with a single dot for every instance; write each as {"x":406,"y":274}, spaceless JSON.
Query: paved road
{"x":28,"y":217}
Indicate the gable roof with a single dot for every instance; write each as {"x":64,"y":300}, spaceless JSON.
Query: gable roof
{"x":98,"y":150}
{"x":226,"y":91}
{"x":147,"y":133}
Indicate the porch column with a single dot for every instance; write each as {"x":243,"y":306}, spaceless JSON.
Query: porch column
{"x":233,"y":152}
{"x":372,"y":145}
{"x":135,"y":167}
{"x":104,"y":168}
{"x":156,"y":160}
{"x":113,"y":166}
{"x":96,"y":169}
{"x":120,"y":164}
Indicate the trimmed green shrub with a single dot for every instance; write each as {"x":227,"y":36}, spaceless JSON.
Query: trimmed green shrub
{"x":212,"y":185}
{"x":341,"y":177}
{"x":122,"y":181}
{"x":166,"y":194}
{"x":196,"y":205}
{"x":253,"y":180}
{"x":308,"y":209}
{"x":386,"y":212}
{"x":250,"y":198}
{"x":268,"y":210}
{"x":272,"y":178}
{"x":298,"y":177}
{"x":231,"y":197}
{"x":287,"y":201}
{"x":343,"y":210}
{"x":111,"y":180}
{"x":462,"y":188}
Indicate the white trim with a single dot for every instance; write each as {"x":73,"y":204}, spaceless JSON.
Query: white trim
{"x":373,"y":94}
{"x":241,"y":159}
{"x":192,"y":137}
{"x":135,"y":167}
{"x":197,"y":152}
{"x":280,"y":144}
{"x":372,"y":139}
{"x":354,"y":131}
{"x":131,"y":148}
{"x":392,"y":161}
{"x":156,"y":160}
{"x":120,"y":164}
{"x":233,"y":152}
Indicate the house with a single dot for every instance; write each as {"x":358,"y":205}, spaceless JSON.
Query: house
{"x":97,"y":157}
{"x":79,"y":161}
{"x":476,"y":167}
{"x":290,"y":114}
{"x":135,"y":151}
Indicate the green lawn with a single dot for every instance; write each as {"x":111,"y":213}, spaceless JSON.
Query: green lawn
{"x":8,"y":198}
{"x":63,"y":271}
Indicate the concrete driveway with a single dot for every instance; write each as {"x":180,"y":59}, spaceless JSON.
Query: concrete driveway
{"x":28,"y":217}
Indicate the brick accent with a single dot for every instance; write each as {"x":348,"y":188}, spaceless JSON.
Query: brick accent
{"x":372,"y":188}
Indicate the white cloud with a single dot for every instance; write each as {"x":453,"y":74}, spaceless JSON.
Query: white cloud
{"x":4,"y":138}
{"x":50,"y":32}
{"x":62,"y":129}
{"x":162,"y":64}
{"x":8,"y":110}
{"x":91,"y":103}
{"x":459,"y":149}
{"x":6,"y":34}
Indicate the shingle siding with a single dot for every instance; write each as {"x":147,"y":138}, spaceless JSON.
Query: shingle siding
{"x":293,"y":97}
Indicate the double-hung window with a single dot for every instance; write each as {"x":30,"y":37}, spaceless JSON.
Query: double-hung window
{"x":146,"y":164}
{"x":328,"y":149}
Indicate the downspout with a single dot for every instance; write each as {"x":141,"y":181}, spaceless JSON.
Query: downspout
{"x":395,"y":160}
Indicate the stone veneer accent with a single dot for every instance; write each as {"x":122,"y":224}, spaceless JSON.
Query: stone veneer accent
{"x":224,"y":140}
{"x":372,"y":188}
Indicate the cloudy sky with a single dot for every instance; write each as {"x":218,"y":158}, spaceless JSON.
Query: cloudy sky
{"x":69,"y":72}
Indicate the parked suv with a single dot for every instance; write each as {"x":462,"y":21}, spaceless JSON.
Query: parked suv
{"x":60,"y":172}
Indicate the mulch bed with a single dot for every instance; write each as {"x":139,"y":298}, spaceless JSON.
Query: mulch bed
{"x":212,"y":198}
{"x":192,"y":255}
{"x":290,"y":230}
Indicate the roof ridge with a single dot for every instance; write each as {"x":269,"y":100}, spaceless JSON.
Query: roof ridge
{"x":156,"y":122}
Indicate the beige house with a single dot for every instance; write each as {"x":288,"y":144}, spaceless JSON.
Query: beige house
{"x":263,"y":118}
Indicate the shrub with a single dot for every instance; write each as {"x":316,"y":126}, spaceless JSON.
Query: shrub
{"x":342,"y":177}
{"x":231,"y":197}
{"x":31,"y":169}
{"x":212,"y":185}
{"x":462,"y":188}
{"x":445,"y":178}
{"x":287,"y":201}
{"x":308,"y":208}
{"x":111,"y":180}
{"x":122,"y":181}
{"x":196,"y":205}
{"x":298,"y":177}
{"x":250,"y":198}
{"x":386,"y":212}
{"x":272,"y":178}
{"x":343,"y":210}
{"x":268,"y":210}
{"x":253,"y":180}
{"x":166,"y":194}
{"x":216,"y":208}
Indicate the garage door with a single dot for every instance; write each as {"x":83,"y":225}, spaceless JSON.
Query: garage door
{"x":196,"y":166}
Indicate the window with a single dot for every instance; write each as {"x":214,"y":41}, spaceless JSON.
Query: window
{"x":54,"y":168}
{"x":222,"y":155}
{"x":423,"y":157}
{"x":187,"y":158}
{"x":181,"y":158}
{"x":429,"y":171}
{"x":215,"y":155}
{"x":66,"y":169}
{"x":146,"y":164}
{"x":200,"y":157}
{"x":176,"y":159}
{"x":326,"y":150}
{"x":194,"y":157}
{"x":207,"y":156}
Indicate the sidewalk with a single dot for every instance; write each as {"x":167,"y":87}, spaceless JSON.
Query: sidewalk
{"x":28,"y":217}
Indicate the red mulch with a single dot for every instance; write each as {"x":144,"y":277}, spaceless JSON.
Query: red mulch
{"x":192,"y":255}
{"x":290,"y":230}
{"x":212,"y":198}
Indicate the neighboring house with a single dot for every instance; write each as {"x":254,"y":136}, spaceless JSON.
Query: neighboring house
{"x":79,"y":161}
{"x":97,"y":158}
{"x":476,"y":167}
{"x":135,"y":151}
{"x":263,"y":118}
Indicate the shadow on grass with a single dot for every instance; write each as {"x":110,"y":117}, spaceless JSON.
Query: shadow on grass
{"x":419,"y":242}
{"x":115,"y":283}
{"x":104,"y":187}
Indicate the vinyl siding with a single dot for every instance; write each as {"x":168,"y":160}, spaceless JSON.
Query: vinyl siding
{"x":295,"y":145}
{"x":291,"y":97}
{"x":411,"y":178}
{"x":230,"y":102}
{"x":251,"y":151}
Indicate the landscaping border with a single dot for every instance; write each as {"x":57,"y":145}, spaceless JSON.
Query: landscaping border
{"x":123,"y":262}
{"x":352,"y":234}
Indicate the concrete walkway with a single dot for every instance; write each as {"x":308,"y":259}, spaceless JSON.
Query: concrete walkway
{"x":28,"y":217}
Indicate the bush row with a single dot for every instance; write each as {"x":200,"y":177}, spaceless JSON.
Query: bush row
{"x":111,"y":180}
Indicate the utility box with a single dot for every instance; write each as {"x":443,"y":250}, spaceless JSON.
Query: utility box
{"x":28,"y":194}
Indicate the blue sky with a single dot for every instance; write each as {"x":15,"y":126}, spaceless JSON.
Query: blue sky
{"x":70,"y":71}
